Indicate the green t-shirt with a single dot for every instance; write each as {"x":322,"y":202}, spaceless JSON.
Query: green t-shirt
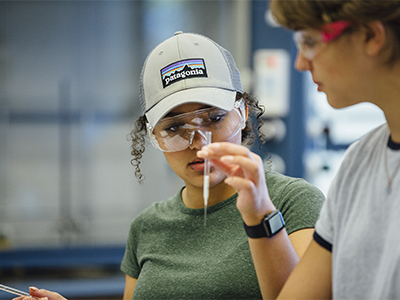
{"x":174,"y":256}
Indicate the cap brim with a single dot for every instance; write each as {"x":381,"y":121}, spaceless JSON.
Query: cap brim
{"x":217,"y":97}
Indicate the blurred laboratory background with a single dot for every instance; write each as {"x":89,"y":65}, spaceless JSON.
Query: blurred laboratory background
{"x":69,"y":74}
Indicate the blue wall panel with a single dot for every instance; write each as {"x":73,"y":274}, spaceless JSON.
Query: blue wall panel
{"x":291,"y":148}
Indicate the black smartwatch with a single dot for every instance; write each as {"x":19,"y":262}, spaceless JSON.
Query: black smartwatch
{"x":269,"y":226}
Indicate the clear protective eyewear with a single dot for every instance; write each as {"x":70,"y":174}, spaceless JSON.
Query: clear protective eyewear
{"x":177,"y":133}
{"x":308,"y":42}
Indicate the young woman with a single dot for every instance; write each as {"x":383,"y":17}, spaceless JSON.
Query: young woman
{"x":190,"y":86}
{"x":352,"y":49}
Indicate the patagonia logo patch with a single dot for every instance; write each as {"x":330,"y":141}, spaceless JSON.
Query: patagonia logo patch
{"x":184,"y":69}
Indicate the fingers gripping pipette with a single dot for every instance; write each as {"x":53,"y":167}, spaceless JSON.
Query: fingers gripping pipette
{"x":206,"y":179}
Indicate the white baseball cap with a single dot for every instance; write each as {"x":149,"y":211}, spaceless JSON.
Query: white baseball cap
{"x":187,"y":68}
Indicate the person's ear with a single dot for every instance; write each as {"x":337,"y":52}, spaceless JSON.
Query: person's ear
{"x":375,"y":38}
{"x":246,"y":112}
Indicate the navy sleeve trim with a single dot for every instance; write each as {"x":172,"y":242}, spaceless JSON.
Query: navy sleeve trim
{"x":322,"y":242}
{"x":392,"y":144}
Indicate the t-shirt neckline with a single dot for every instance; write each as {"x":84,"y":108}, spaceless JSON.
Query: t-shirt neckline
{"x":198,"y":211}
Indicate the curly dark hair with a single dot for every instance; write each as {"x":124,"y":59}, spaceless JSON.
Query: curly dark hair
{"x":253,"y":124}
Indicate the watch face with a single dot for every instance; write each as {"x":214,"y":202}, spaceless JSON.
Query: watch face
{"x":275,"y":223}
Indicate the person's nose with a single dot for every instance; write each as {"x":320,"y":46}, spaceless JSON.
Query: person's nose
{"x":302,"y":63}
{"x":197,"y":140}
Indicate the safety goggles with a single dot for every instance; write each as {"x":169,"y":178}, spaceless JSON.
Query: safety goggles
{"x":177,"y":133}
{"x":308,"y":42}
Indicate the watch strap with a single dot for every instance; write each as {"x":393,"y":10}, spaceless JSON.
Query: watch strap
{"x":257,"y":231}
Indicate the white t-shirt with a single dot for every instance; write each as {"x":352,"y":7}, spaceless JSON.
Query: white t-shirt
{"x":361,"y":221}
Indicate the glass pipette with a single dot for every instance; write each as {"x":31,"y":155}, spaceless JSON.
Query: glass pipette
{"x":13,"y":290}
{"x":206,"y":179}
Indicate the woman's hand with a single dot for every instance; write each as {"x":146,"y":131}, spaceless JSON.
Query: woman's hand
{"x":245,"y":173}
{"x":36,"y":294}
